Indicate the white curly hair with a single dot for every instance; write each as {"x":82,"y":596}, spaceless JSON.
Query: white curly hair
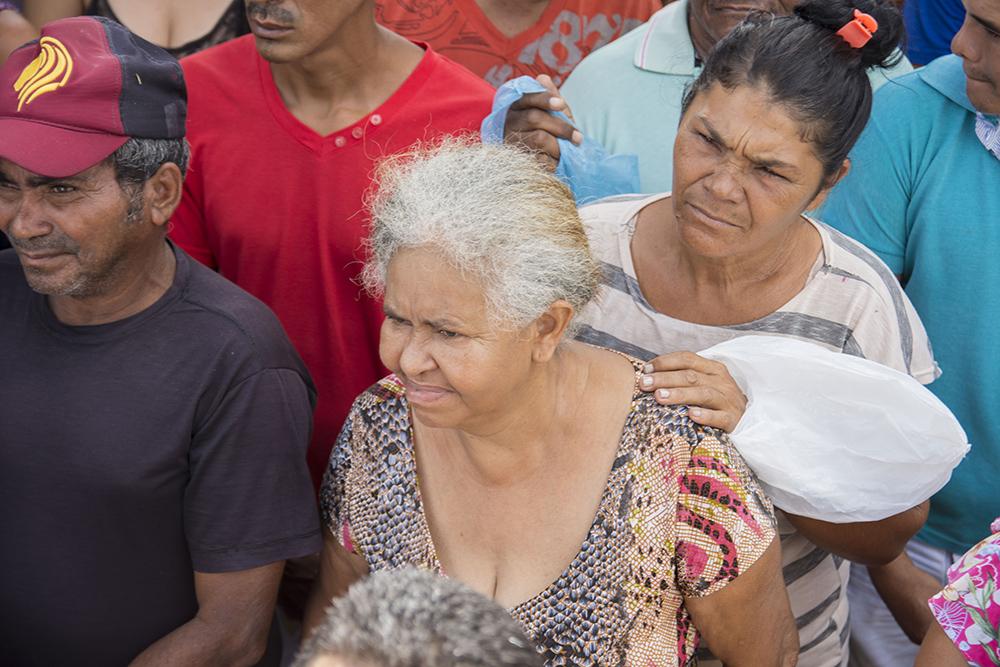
{"x":494,"y":213}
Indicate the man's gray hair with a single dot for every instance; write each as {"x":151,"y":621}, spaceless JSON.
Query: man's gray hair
{"x":494,"y":213}
{"x":414,"y":618}
{"x":137,"y":160}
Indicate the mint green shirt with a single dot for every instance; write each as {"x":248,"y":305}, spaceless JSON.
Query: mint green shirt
{"x":627,"y":95}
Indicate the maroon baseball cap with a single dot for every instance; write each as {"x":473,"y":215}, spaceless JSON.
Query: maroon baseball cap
{"x":72,"y":97}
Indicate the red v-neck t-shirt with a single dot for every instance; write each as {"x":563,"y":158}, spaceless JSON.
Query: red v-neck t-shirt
{"x":565,"y":34}
{"x":278,"y":209}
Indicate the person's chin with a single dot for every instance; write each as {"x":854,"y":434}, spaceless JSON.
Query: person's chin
{"x":54,"y":280}
{"x":708,"y":240}
{"x":431,"y":418}
{"x":277,"y":51}
{"x":984,"y":96}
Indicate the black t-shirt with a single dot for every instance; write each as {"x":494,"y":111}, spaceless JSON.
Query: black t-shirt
{"x":136,"y":452}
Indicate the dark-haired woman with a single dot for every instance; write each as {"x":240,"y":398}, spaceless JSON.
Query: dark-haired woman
{"x":765,"y":133}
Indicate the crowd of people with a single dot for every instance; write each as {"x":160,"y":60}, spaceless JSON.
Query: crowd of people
{"x":299,"y":369}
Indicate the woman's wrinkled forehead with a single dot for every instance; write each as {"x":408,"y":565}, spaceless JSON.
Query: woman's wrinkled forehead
{"x":747,"y":120}
{"x":421,"y":282}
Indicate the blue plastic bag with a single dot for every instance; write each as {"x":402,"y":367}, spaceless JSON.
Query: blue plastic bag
{"x":589,"y":171}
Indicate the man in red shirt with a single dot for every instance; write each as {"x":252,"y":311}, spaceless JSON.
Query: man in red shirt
{"x":286,"y":125}
{"x":504,"y":39}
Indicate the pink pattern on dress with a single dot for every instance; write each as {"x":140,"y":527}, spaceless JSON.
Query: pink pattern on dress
{"x":968,"y":608}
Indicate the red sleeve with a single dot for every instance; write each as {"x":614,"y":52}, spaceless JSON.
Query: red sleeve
{"x":187,"y":226}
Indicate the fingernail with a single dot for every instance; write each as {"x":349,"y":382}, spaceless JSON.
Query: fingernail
{"x":555,"y":102}
{"x":647,"y":381}
{"x":696,"y":412}
{"x":648,"y":368}
{"x":663,"y":393}
{"x":577,"y":138}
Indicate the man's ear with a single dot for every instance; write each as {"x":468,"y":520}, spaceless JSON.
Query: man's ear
{"x":162,"y":192}
{"x":550,"y":328}
{"x":837,"y":178}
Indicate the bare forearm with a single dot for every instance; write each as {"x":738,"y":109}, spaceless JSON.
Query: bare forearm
{"x":766,"y":637}
{"x":198,"y":643}
{"x":867,"y":543}
{"x":319,"y":600}
{"x":905,"y":588}
{"x":338,"y":569}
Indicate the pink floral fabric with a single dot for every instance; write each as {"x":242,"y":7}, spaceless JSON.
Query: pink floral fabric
{"x":968,"y":609}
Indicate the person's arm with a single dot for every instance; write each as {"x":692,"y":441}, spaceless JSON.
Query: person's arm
{"x":727,"y":556}
{"x":338,"y":569}
{"x":763,"y":637}
{"x":939,"y":651}
{"x":232,"y":623}
{"x":249,"y":504}
{"x":865,"y":542}
{"x":905,"y":588}
{"x":40,"y":12}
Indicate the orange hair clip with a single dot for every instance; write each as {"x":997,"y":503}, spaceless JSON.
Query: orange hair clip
{"x":859,"y":31}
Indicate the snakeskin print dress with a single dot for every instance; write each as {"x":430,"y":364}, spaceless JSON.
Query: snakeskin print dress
{"x":681,"y":515}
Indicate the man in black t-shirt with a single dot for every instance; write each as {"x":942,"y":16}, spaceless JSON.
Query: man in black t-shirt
{"x":154,"y":417}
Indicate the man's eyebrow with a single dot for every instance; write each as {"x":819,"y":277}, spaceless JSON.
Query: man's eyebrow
{"x":986,"y":24}
{"x":39,"y":180}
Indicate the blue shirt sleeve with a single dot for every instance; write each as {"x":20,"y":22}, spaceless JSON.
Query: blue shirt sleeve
{"x":870,"y":204}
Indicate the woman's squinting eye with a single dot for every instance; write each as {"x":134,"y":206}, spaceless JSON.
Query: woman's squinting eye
{"x":61,"y":189}
{"x":773,"y":174}
{"x":448,"y":334}
{"x":707,"y":139}
{"x":395,"y":320}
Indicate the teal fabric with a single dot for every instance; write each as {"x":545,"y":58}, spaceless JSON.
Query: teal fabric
{"x":924,"y":194}
{"x":627,"y":95}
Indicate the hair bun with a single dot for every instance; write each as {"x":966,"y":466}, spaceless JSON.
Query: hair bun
{"x":881,"y":50}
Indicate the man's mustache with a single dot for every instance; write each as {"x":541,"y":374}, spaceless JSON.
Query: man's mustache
{"x":269,"y":12}
{"x":45,"y":245}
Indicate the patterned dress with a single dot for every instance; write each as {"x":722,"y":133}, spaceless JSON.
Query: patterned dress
{"x":968,"y":609}
{"x":681,"y":515}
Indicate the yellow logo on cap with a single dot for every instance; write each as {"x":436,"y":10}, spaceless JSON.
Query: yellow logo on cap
{"x":49,"y":71}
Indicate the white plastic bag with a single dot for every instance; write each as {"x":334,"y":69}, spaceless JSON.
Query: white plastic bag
{"x":836,"y":437}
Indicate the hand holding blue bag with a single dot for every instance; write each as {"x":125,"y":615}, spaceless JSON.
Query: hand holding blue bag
{"x":589,"y":171}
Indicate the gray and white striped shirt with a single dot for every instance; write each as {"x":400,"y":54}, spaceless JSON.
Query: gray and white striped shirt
{"x":851,"y":303}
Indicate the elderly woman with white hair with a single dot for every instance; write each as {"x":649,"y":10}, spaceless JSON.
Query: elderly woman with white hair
{"x":529,"y":466}
{"x":414,"y":618}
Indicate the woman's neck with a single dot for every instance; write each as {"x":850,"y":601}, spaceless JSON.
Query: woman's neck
{"x":734,"y":289}
{"x":743,"y":274}
{"x":525,"y":434}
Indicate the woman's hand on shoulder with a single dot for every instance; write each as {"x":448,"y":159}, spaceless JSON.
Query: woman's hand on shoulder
{"x":705,"y":386}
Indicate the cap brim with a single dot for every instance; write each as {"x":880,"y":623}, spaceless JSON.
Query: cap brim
{"x":53,"y":151}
